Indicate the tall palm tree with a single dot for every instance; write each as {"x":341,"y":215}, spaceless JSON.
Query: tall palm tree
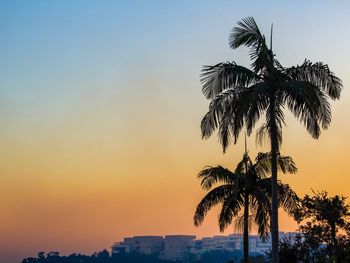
{"x":247,"y":189}
{"x":240,"y":96}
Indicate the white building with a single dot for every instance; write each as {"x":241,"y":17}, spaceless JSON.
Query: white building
{"x":218,"y":243}
{"x":179,"y":247}
{"x":256,"y":245}
{"x":140,"y":244}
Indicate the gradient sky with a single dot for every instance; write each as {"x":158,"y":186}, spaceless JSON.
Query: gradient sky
{"x":100,"y":106}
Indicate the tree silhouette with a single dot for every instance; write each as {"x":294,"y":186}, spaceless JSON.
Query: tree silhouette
{"x":240,"y":96}
{"x":324,"y":217}
{"x":247,"y":189}
{"x":97,"y":257}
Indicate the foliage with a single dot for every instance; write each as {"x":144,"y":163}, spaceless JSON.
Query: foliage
{"x":324,"y":233}
{"x":99,"y":257}
{"x":325,"y":216}
{"x":246,"y":189}
{"x":234,"y":185}
{"x":214,"y":256}
{"x":241,"y":96}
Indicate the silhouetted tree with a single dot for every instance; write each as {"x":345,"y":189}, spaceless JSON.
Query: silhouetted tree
{"x":247,"y":189}
{"x":28,"y":260}
{"x":294,"y":249}
{"x":240,"y":96}
{"x":324,"y":233}
{"x":324,"y":217}
{"x":98,"y":257}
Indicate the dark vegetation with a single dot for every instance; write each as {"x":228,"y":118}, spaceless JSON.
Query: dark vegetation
{"x":245,"y":194}
{"x":99,"y":257}
{"x":104,"y":257}
{"x":324,"y":231}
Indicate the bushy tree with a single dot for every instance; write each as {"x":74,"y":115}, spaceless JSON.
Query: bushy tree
{"x":324,"y":233}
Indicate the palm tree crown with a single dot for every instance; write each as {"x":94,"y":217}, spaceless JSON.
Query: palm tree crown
{"x":240,"y":96}
{"x":246,"y":188}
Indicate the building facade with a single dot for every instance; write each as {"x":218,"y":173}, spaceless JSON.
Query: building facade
{"x":181,"y":247}
{"x":148,"y":245}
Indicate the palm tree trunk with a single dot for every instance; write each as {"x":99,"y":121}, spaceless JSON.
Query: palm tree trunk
{"x":246,"y":229}
{"x":274,"y":198}
{"x":334,"y":242}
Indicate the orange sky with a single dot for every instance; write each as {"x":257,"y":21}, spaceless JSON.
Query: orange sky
{"x":103,"y":148}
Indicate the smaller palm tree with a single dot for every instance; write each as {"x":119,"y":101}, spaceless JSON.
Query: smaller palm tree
{"x":249,"y":189}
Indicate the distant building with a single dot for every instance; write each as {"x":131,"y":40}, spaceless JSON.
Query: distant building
{"x":256,"y":245}
{"x":219,"y":243}
{"x":177,"y":247}
{"x":140,"y":244}
{"x":180,"y":247}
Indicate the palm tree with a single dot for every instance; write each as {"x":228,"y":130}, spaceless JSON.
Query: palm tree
{"x":247,"y":189}
{"x":240,"y":96}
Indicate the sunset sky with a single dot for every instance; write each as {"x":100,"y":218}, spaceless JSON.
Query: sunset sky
{"x":100,"y":107}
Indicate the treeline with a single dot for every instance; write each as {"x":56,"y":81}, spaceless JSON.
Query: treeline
{"x":105,"y":257}
{"x":98,"y":257}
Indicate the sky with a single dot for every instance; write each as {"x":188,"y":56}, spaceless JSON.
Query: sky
{"x":100,"y":108}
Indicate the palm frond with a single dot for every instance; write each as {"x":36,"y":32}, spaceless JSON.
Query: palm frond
{"x":263,"y":135}
{"x":215,"y":196}
{"x":224,"y":114}
{"x":261,"y":200}
{"x":253,"y":104}
{"x":239,"y":223}
{"x":262,"y":219}
{"x":233,"y":108}
{"x":285,"y":164}
{"x":230,"y":208}
{"x":319,"y":75}
{"x":212,"y":175}
{"x":225,"y":133}
{"x":261,"y":204}
{"x":262,"y":164}
{"x":277,"y":120}
{"x":247,"y":33}
{"x":217,"y":109}
{"x":233,"y":120}
{"x":288,"y":199}
{"x":308,"y":103}
{"x":220,"y":77}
